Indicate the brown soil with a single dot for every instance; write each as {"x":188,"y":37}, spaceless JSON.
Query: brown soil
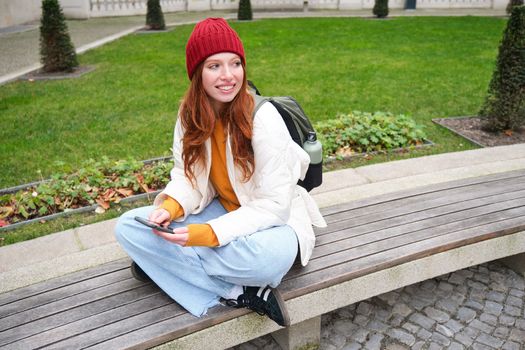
{"x":41,"y":75}
{"x":470,"y":128}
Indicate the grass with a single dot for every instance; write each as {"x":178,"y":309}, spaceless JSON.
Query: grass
{"x":425,"y":67}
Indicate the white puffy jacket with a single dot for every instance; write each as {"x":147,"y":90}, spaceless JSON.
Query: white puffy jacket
{"x":271,"y":197}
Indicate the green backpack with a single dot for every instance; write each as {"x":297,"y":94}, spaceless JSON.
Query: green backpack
{"x":301,"y":131}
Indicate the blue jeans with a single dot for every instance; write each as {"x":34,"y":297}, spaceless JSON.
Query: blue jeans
{"x":196,"y":277}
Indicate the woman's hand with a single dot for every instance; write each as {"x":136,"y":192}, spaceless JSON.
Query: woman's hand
{"x":179,"y":236}
{"x":162,"y":217}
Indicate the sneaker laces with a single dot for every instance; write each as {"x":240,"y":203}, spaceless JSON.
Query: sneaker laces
{"x":251,"y":302}
{"x":254,"y":303}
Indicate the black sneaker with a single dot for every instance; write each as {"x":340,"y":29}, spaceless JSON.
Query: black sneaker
{"x":263,"y":300}
{"x":138,"y":273}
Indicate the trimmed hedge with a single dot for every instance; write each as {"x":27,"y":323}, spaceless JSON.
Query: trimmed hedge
{"x":245,"y":11}
{"x":57,"y":52}
{"x":154,"y":16}
{"x":380,"y":8}
{"x":504,"y":107}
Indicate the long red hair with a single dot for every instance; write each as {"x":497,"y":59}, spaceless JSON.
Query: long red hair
{"x":198,"y":120}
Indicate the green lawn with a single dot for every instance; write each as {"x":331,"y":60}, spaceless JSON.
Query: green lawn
{"x":422,"y":66}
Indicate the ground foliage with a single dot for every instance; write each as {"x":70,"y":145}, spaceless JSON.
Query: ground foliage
{"x":504,"y":107}
{"x":358,"y":132}
{"x":57,"y":52}
{"x":97,"y":182}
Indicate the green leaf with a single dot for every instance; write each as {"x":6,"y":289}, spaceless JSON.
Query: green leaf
{"x":23,"y":211}
{"x":42,"y":211}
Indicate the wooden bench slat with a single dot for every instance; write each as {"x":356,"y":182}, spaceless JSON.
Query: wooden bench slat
{"x":400,"y":208}
{"x":372,"y":242}
{"x":418,"y":191}
{"x":67,"y":303}
{"x":301,"y":284}
{"x":357,"y":247}
{"x":60,"y":282}
{"x":134,"y":305}
{"x":427,"y":201}
{"x":438,"y":216}
{"x":62,"y":293}
{"x":50,"y":324}
{"x":168,"y":329}
{"x":122,"y":327}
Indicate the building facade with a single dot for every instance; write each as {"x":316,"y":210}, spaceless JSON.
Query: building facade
{"x":15,"y":12}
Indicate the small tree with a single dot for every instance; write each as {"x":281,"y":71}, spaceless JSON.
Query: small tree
{"x":504,"y":107}
{"x":154,"y":16}
{"x":513,"y":3}
{"x":380,"y":8}
{"x":57,"y":52}
{"x":245,"y":11}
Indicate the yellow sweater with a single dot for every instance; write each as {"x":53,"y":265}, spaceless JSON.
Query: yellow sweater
{"x":202,"y":234}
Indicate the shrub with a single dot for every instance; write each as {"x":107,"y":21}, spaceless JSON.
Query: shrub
{"x":154,"y":16}
{"x":380,"y":8}
{"x":512,"y":4}
{"x":504,"y":106}
{"x":245,"y":11}
{"x":96,"y":182}
{"x":57,"y":53}
{"x":365,"y":132}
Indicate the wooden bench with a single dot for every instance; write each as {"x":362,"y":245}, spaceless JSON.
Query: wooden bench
{"x":370,"y":247}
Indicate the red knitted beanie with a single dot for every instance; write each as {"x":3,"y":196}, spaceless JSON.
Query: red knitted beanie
{"x":211,"y":36}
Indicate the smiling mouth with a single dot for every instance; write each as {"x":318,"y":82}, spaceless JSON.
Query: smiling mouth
{"x":226,"y":88}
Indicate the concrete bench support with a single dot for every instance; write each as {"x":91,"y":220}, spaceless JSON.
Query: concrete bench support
{"x":305,"y":335}
{"x":516,"y":263}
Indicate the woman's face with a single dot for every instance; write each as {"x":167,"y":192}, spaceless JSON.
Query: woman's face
{"x":222,"y":77}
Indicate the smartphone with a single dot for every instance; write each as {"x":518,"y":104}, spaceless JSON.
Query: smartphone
{"x":153,"y":225}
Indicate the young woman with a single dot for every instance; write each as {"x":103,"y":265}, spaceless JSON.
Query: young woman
{"x":236,"y":215}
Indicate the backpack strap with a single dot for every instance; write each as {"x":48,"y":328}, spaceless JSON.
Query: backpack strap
{"x":259,"y":101}
{"x":285,"y":115}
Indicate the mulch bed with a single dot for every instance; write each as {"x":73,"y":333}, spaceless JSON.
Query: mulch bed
{"x":41,"y":75}
{"x":471,"y":129}
{"x":146,"y":30}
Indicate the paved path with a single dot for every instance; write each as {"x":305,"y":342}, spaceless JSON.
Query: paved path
{"x":19,"y":45}
{"x":478,"y":308}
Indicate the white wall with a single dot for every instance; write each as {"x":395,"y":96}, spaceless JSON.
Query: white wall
{"x":83,"y":9}
{"x":78,"y":9}
{"x":14,"y":12}
{"x":392,"y":4}
{"x":499,"y":4}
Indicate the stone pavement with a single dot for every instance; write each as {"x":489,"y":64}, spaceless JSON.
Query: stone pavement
{"x":480,"y":308}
